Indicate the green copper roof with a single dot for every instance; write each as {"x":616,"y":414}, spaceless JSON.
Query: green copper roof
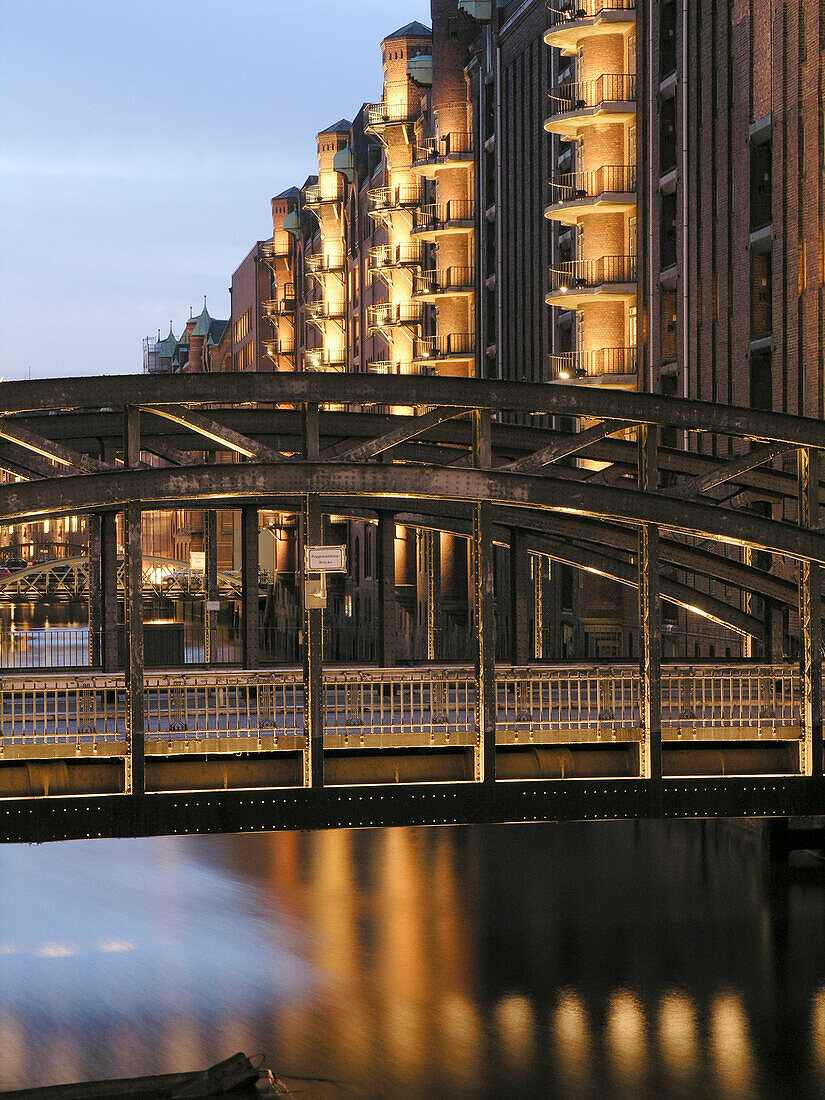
{"x":202,"y":325}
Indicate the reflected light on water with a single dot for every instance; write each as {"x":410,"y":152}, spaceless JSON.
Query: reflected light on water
{"x":461,"y":1040}
{"x":516,"y":1026}
{"x":678,"y":1039}
{"x":626,"y":1036}
{"x":13,"y":1052}
{"x":730,"y":1046}
{"x":573,"y":1043}
{"x":818,"y":1034}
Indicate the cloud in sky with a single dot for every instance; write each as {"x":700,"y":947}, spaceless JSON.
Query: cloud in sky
{"x":141,"y":144}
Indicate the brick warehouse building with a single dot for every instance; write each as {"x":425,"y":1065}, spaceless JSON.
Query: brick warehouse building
{"x":581,"y":193}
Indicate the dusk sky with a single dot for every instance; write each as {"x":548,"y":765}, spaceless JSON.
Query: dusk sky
{"x":140,"y":143}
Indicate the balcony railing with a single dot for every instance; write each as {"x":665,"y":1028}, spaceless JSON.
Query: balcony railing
{"x":325,"y":358}
{"x":273,"y":307}
{"x":584,"y":94}
{"x":610,"y":178}
{"x":271,"y":249}
{"x":445,"y":147}
{"x":397,"y":366}
{"x":444,"y":280}
{"x":453,"y":345}
{"x":592,"y":364}
{"x":392,"y":198}
{"x":326,"y":310}
{"x":322,"y":264}
{"x":330,"y":191}
{"x":400,"y":255}
{"x":274,"y":348}
{"x":567,"y":11}
{"x":389,"y":314}
{"x":585,"y":274}
{"x":387,"y":114}
{"x":440,"y":215}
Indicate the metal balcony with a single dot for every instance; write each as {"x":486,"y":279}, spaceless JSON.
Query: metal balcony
{"x":450,"y":150}
{"x":380,"y":115}
{"x":393,"y":314}
{"x":326,"y":310}
{"x":317,"y":194}
{"x":610,"y":189}
{"x":581,"y":102}
{"x":598,"y":364}
{"x":439,"y":218}
{"x":325,"y":359}
{"x":454,"y":345}
{"x":397,"y":366}
{"x":318,"y":264}
{"x":275,"y":307}
{"x":609,"y":277}
{"x":385,"y":256}
{"x":571,"y":21}
{"x":271,"y":250}
{"x":385,"y":200}
{"x":274,"y":348}
{"x":449,"y":281}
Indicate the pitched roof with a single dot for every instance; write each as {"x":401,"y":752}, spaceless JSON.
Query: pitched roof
{"x":411,"y":30}
{"x":340,"y":127}
{"x":290,"y":193}
{"x":202,"y":324}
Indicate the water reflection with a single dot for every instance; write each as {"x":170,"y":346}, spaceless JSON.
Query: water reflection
{"x":577,"y":961}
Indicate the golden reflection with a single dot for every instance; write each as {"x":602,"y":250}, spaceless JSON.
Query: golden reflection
{"x":62,"y":1059}
{"x":185,"y":1047}
{"x":730,"y":1046}
{"x":573,"y":1043}
{"x":14,"y":1060}
{"x":678,"y":1034}
{"x":818,"y":1035}
{"x":460,"y":1040}
{"x":626,"y":1036}
{"x":516,"y":1026}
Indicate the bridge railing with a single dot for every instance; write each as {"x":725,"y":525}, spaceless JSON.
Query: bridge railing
{"x":398,"y":702}
{"x":63,"y":710}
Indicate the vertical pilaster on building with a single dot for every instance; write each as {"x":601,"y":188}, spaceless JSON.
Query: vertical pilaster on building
{"x":433,"y":595}
{"x":210,"y":586}
{"x":133,"y":595}
{"x":387,"y":627}
{"x":312,"y":532}
{"x":810,"y":616}
{"x":484,"y":606}
{"x":519,"y":599}
{"x":650,"y":627}
{"x":249,"y":587}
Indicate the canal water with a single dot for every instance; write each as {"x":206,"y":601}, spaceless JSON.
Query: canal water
{"x":579,"y":960}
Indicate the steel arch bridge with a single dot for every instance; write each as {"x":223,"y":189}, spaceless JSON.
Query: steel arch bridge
{"x":573,"y":473}
{"x":68,"y":579}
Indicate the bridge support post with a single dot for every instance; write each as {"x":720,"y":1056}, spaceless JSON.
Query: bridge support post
{"x":133,"y":595}
{"x":433,"y":546}
{"x":312,"y":530}
{"x":810,"y":617}
{"x":519,"y":599}
{"x":210,"y":582}
{"x":650,"y":626}
{"x":250,"y":609}
{"x":483,"y":597}
{"x":103,"y":591}
{"x":385,"y":553}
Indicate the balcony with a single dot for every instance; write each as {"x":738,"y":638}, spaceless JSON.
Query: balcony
{"x":398,"y":366}
{"x":609,"y":278}
{"x":274,"y":348}
{"x":384,"y":256}
{"x":441,"y":218}
{"x":393,"y":315}
{"x":572,"y":21}
{"x":316,"y":359}
{"x":276,"y":307}
{"x":326,"y":310}
{"x":386,"y":201}
{"x":320,"y":194}
{"x":320,"y":266}
{"x":457,"y":282}
{"x":616,"y":365}
{"x":381,"y":115}
{"x":273,"y":250}
{"x":609,"y":98}
{"x":453,"y":346}
{"x":610,"y":189}
{"x":447,"y":151}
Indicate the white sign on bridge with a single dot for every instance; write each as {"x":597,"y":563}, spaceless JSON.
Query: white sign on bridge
{"x":325,"y":559}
